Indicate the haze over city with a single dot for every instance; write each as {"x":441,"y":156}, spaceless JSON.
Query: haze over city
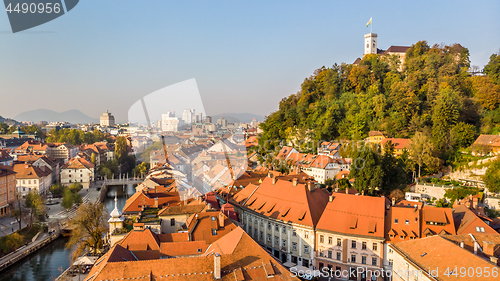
{"x":245,"y":57}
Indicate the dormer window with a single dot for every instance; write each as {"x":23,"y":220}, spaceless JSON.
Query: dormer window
{"x":213,"y":218}
{"x":214,"y":232}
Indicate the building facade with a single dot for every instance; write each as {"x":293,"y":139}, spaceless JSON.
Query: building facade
{"x":107,"y":119}
{"x":281,"y":214}
{"x":350,"y":236}
{"x":7,"y":190}
{"x":77,"y":170}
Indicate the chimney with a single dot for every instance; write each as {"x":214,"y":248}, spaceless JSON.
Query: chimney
{"x":217,"y":272}
{"x":310,"y":186}
{"x":274,"y":180}
{"x":330,"y":198}
{"x":347,"y":190}
{"x":488,"y":248}
{"x":363,"y":192}
{"x":393,"y":201}
{"x":475,"y":247}
{"x":221,"y":219}
{"x":156,"y":202}
{"x":494,"y":260}
{"x":295,"y":181}
{"x":138,"y":226}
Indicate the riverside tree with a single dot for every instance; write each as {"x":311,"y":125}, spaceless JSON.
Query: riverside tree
{"x":90,"y":225}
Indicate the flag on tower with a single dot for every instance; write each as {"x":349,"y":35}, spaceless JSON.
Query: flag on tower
{"x":369,"y":22}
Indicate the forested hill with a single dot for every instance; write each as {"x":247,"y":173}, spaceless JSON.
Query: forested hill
{"x":433,"y":93}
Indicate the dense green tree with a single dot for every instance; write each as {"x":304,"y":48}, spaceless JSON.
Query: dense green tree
{"x":492,"y":69}
{"x":34,"y":203}
{"x":422,"y":152}
{"x":120,"y":148}
{"x":90,"y":225}
{"x":367,"y":170}
{"x":56,"y":189}
{"x":492,"y":176}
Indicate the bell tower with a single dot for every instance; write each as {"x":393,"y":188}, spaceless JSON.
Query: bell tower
{"x":370,"y":43}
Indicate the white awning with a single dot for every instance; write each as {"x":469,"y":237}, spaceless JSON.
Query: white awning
{"x":289,"y":264}
{"x":6,"y":205}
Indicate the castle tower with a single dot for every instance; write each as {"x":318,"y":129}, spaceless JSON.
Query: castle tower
{"x":370,"y":43}
{"x":116,"y":220}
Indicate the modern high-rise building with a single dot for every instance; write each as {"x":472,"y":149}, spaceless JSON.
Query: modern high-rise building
{"x":199,"y":118}
{"x":107,"y":119}
{"x":169,"y":122}
{"x":222,"y":122}
{"x":188,"y":116}
{"x":208,"y":119}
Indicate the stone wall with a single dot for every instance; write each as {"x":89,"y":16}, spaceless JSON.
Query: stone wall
{"x":431,"y":190}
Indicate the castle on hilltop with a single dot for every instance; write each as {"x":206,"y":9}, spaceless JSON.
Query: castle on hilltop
{"x":371,"y":48}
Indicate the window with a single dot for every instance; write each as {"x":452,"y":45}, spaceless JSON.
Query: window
{"x":294,"y":233}
{"x":375,"y":246}
{"x":407,"y":221}
{"x":250,"y":230}
{"x":214,"y":232}
{"x":276,"y":228}
{"x":353,"y":244}
{"x":283,"y":243}
{"x":294,"y":246}
{"x":321,"y":254}
{"x":339,"y":242}
{"x":255,"y":231}
{"x":172,"y":222}
{"x":390,"y":250}
{"x":276,"y":240}
{"x":321,"y":239}
{"x":353,"y":258}
{"x":306,"y":249}
{"x":479,"y":229}
{"x":284,"y":229}
{"x":306,"y":235}
{"x":330,"y":254}
{"x":261,"y":235}
{"x":261,"y":222}
{"x":255,"y":220}
{"x":363,"y":245}
{"x":374,"y":261}
{"x":330,"y":240}
{"x":269,"y":238}
{"x":338,"y":256}
{"x":391,"y":262}
{"x":416,"y":219}
{"x":213,"y":218}
{"x":269,"y":225}
{"x":395,"y":220}
{"x":363,"y":259}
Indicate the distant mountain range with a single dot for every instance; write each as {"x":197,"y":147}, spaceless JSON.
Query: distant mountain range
{"x":72,"y":116}
{"x":238,"y":117}
{"x":75,"y":116}
{"x":9,"y":121}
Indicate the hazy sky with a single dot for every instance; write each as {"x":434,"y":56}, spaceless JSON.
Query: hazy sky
{"x":245,"y":55}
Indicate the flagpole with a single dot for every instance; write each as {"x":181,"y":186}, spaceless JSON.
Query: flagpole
{"x":371,"y":25}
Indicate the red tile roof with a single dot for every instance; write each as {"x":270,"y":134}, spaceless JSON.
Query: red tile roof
{"x":437,"y":252}
{"x":290,"y":203}
{"x":354,"y":215}
{"x":235,"y":249}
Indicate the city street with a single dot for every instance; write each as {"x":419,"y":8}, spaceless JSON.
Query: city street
{"x":9,"y":224}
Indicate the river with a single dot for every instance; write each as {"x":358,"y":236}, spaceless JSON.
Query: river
{"x":49,"y":262}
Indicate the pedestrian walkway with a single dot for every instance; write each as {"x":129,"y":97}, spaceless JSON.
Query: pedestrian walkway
{"x":19,"y":253}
